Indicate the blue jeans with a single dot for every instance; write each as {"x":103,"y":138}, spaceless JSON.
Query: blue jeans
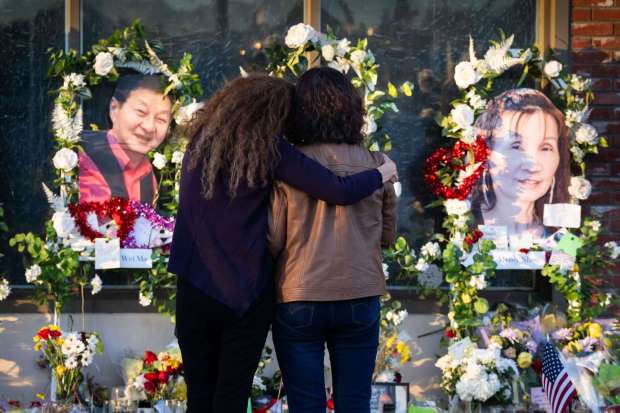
{"x":350,"y":328}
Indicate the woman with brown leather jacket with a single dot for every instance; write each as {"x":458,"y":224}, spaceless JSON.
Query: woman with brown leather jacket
{"x":329,"y":274}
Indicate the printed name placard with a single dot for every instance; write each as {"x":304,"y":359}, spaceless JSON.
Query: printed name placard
{"x":136,"y":258}
{"x":539,"y":399}
{"x":514,"y":260}
{"x":107,"y":253}
{"x":562,"y":215}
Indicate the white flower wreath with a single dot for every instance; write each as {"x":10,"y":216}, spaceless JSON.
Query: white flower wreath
{"x":59,"y":251}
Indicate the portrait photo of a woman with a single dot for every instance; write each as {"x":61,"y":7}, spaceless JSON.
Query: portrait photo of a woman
{"x":528,"y":164}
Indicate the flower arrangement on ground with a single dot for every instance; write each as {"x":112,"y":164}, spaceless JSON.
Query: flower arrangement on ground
{"x":160,"y":377}
{"x":66,"y":354}
{"x":481,"y":376}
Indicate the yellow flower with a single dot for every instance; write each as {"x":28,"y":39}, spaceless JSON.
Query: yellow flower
{"x":575,"y":347}
{"x":54,"y":327}
{"x":595,"y":330}
{"x":174,"y":364}
{"x":524,"y":360}
{"x":60,"y":341}
{"x":466,"y":298}
{"x":549,"y":322}
{"x":60,"y":370}
{"x":38,"y":346}
{"x":36,"y":338}
{"x":497,"y":340}
{"x":390,"y":342}
{"x":40,"y":396}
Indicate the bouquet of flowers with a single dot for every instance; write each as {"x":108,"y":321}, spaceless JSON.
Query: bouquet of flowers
{"x":66,"y":354}
{"x":477,"y":375}
{"x":580,"y":339}
{"x":161,"y":377}
{"x":394,"y":347}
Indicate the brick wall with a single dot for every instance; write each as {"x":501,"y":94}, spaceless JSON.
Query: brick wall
{"x":595,"y":51}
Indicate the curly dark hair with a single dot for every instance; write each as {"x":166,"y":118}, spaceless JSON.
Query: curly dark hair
{"x":326,"y":109}
{"x":236,"y":132}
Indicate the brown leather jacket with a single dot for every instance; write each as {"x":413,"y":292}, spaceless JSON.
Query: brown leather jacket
{"x":328,"y":252}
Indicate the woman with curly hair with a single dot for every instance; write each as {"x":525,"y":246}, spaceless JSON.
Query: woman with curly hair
{"x":329,"y":273}
{"x":225,"y":290}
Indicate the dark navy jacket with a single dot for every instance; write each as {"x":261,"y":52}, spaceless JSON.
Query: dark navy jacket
{"x":220,"y":244}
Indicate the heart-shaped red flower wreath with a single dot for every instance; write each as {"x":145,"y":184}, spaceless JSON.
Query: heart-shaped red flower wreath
{"x":444,"y":165}
{"x":118,"y":209}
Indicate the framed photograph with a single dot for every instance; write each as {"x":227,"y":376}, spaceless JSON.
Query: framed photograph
{"x":389,"y":397}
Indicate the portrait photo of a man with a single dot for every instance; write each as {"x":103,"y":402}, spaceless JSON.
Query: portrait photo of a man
{"x":114,"y":162}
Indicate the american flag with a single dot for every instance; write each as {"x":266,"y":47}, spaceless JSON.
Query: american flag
{"x":556,"y":383}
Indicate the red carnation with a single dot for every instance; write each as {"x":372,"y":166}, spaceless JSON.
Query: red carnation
{"x":331,"y":405}
{"x":151,"y":376}
{"x":163,"y":377}
{"x":537,"y":366}
{"x":149,"y":387}
{"x":469,"y":240}
{"x":44,"y":333}
{"x":450,"y":333}
{"x":149,"y":357}
{"x":55,"y":333}
{"x":524,"y":250}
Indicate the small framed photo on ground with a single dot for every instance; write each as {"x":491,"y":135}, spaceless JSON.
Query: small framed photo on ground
{"x":389,"y":397}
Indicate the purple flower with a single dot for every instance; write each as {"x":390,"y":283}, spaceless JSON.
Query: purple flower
{"x":532,"y":347}
{"x":562,"y":334}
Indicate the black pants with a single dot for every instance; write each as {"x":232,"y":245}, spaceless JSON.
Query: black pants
{"x":220,"y":349}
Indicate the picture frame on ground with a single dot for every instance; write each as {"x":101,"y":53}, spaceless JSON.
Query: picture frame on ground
{"x":389,"y":397}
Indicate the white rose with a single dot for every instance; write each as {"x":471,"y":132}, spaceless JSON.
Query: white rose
{"x":614,"y":249}
{"x":475,"y":100}
{"x":386,"y":273}
{"x":299,"y":35}
{"x":328,"y":52}
{"x":586,"y":133}
{"x":5,"y":290}
{"x":159,"y":160}
{"x":64,"y":224}
{"x":177,"y":157}
{"x":463,"y":115}
{"x":431,"y":249}
{"x":465,"y":75}
{"x":578,"y":154}
{"x":145,"y":299}
{"x":579,"y":188}
{"x":343,"y":47}
{"x":104,"y":63}
{"x":553,"y":68}
{"x":358,"y":56}
{"x":340,"y":65}
{"x":96,"y":284}
{"x":73,"y":79}
{"x":421,"y":265}
{"x":65,"y":159}
{"x":369,"y":127}
{"x":457,"y":207}
{"x":33,"y":273}
{"x":186,"y":113}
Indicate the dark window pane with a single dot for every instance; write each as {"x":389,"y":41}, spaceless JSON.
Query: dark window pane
{"x":422,"y":41}
{"x":27,"y":29}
